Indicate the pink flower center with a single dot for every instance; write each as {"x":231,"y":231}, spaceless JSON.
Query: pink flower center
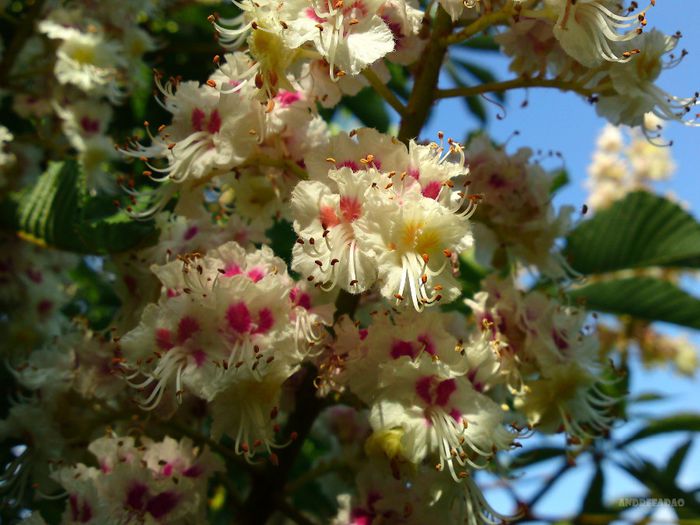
{"x":162,"y":504}
{"x":200,"y":122}
{"x":431,"y":190}
{"x":232,"y":269}
{"x":311,"y":13}
{"x":79,"y":513}
{"x":348,"y":164}
{"x":402,"y":348}
{"x":350,"y":208}
{"x":265,"y":321}
{"x":187,"y":327}
{"x":190,"y":233}
{"x":412,"y":349}
{"x":299,"y":298}
{"x":434,"y":392}
{"x":164,"y":339}
{"x":34,"y":275}
{"x":199,"y":356}
{"x":328,"y":217}
{"x":287,"y":98}
{"x":255,"y":274}
{"x":90,"y":126}
{"x":238,"y":317}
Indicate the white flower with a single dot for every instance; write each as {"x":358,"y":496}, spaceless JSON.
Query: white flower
{"x":405,"y":20}
{"x":516,"y":211}
{"x":226,"y":319}
{"x":371,"y":355}
{"x":414,"y":240}
{"x":211,"y":132}
{"x":590,"y":30}
{"x":349,"y":36}
{"x":393,"y":217}
{"x":439,"y":415}
{"x":635,"y":93}
{"x":331,"y":225}
{"x":88,"y":60}
{"x":155,"y":482}
{"x":7,"y":159}
{"x":84,"y":119}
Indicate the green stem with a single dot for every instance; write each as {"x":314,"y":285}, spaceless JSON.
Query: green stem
{"x":268,"y":485}
{"x":427,"y":74}
{"x":384,"y":91}
{"x":523,"y":82}
{"x":480,"y":24}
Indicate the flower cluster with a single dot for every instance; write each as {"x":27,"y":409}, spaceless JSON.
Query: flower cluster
{"x":155,"y":482}
{"x":600,"y":46}
{"x":618,"y":168}
{"x":374,"y":211}
{"x":288,"y":259}
{"x":229,"y":325}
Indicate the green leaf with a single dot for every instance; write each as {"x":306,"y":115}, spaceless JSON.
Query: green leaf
{"x":369,"y":107}
{"x":476,"y":108}
{"x":537,"y":455}
{"x":647,"y":397}
{"x":644,"y":298}
{"x":641,"y":230}
{"x":481,"y":74}
{"x":560,"y":179}
{"x":481,"y":43}
{"x":473,"y":104}
{"x":399,"y":80}
{"x":661,"y":485}
{"x":114,"y":234}
{"x":675,"y":462}
{"x":282,"y":239}
{"x":94,"y":298}
{"x":56,"y":212}
{"x":676,"y":423}
{"x":593,"y":501}
{"x":49,"y":211}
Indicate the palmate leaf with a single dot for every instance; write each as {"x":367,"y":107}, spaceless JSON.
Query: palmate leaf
{"x":676,"y":423}
{"x":481,"y":43}
{"x":473,"y":104}
{"x":57,"y":212}
{"x":537,"y":455}
{"x":642,"y":297}
{"x":593,"y":501}
{"x":480,"y":74}
{"x":662,"y":484}
{"x":641,"y":230}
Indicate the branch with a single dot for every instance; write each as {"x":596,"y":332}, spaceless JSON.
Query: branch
{"x":426,"y":75}
{"x":268,"y":485}
{"x":516,"y":83}
{"x":480,"y":24}
{"x":384,"y":91}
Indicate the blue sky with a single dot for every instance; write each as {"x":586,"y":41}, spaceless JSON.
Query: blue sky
{"x":568,"y":124}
